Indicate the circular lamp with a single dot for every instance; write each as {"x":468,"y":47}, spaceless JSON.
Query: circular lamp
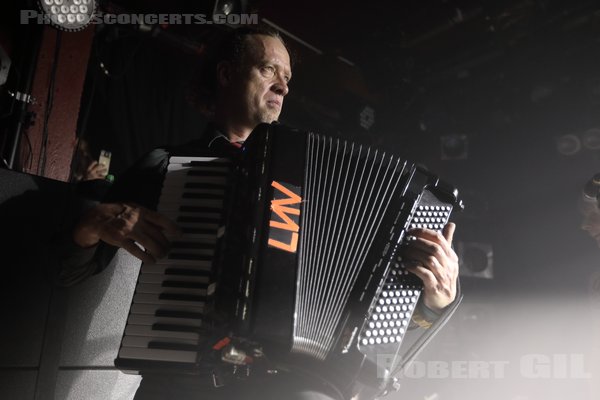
{"x":69,"y":15}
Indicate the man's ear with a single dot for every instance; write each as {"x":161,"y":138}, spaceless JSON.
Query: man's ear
{"x":224,"y":73}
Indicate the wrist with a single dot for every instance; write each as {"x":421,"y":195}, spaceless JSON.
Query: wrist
{"x":85,"y":238}
{"x":85,"y":234}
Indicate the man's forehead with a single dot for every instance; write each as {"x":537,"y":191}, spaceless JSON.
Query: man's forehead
{"x":267,"y":48}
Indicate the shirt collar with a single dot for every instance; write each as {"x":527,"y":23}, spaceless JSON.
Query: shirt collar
{"x":215,"y":137}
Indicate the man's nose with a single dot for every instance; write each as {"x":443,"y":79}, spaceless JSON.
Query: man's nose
{"x":280,"y":87}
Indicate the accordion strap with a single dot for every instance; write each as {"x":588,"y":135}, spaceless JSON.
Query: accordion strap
{"x":424,"y":340}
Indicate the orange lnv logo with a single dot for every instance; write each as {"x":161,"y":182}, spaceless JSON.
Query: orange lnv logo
{"x":285,"y":216}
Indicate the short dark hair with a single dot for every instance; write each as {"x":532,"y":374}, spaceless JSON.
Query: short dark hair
{"x":232,"y":47}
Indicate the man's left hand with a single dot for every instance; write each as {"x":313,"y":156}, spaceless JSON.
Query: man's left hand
{"x":430,"y":256}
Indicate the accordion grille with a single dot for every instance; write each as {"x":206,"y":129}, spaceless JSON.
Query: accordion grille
{"x":347,"y":190}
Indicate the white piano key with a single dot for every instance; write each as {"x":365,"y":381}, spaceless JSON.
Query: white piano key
{"x":160,"y":278}
{"x":153,"y":298}
{"x":158,"y":288}
{"x":190,"y":240}
{"x":146,"y":330}
{"x":136,"y":353}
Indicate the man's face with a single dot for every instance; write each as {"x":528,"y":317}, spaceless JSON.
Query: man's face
{"x":259,"y":85}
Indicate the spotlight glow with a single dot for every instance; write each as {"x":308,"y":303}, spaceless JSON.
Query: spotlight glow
{"x":69,"y":15}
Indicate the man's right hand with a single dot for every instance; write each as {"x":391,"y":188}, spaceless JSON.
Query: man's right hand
{"x":127,"y":226}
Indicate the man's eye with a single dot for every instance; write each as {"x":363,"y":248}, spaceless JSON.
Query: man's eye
{"x":268,"y":71}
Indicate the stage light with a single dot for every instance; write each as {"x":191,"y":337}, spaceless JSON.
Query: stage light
{"x":367,"y":117}
{"x":69,"y":15}
{"x":226,"y":7}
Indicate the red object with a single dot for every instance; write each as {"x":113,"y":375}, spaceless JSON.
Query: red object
{"x":62,"y":122}
{"x":221,"y":343}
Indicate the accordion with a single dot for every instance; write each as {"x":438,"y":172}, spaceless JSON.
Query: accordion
{"x":288,"y":257}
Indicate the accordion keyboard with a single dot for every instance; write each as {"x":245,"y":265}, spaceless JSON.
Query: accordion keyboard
{"x":165,"y":320}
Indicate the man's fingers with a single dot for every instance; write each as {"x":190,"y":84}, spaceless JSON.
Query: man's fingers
{"x":93,"y":165}
{"x":150,"y":246}
{"x":426,"y":260}
{"x":428,"y":278}
{"x":448,"y":231}
{"x":427,"y":238}
{"x":129,"y":223}
{"x":134,"y":250}
{"x":429,"y":247}
{"x":151,"y":238}
{"x":162,"y":222}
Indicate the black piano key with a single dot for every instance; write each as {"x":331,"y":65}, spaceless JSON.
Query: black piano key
{"x":214,"y":220}
{"x":207,"y":196}
{"x":192,"y":172}
{"x":204,"y":185}
{"x":182,"y":297}
{"x":192,"y":245}
{"x":172,"y":346}
{"x":185,"y":256}
{"x":197,"y":230}
{"x":209,"y":163}
{"x":174,"y":328}
{"x":178,"y":314}
{"x":180,"y":284}
{"x":186,"y":272}
{"x":200,"y":209}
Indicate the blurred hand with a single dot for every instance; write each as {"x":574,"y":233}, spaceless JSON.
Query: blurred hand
{"x":127,"y":226}
{"x":430,"y":257}
{"x":95,"y":171}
